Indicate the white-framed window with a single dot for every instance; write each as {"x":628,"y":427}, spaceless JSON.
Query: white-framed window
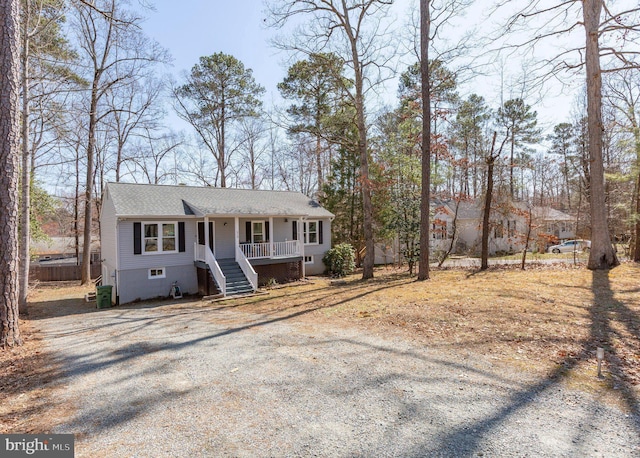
{"x":258,"y":232}
{"x":511,"y":228}
{"x":310,"y":232}
{"x":157,"y":272}
{"x":308,"y":259}
{"x":498,"y":230}
{"x":159,"y":237}
{"x":439,"y":230}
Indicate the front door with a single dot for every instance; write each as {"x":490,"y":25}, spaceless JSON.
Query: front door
{"x":201,"y":236}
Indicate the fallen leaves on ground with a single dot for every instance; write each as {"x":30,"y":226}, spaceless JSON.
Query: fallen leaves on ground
{"x":548,"y":320}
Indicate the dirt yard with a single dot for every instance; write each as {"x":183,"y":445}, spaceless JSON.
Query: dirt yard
{"x":27,"y":373}
{"x":545,"y":321}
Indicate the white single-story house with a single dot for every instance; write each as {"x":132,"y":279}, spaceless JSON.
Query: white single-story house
{"x":209,"y":240}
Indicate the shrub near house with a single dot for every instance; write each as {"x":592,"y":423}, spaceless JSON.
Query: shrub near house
{"x":340,"y":260}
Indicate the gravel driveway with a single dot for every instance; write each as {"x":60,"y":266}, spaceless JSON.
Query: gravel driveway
{"x":162,"y":380}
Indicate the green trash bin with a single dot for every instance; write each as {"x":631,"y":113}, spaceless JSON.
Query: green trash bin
{"x":103,"y":296}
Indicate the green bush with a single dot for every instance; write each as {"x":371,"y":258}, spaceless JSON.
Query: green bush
{"x":340,"y":260}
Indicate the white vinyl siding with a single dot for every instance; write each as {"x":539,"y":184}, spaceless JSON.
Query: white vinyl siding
{"x":108,"y":239}
{"x":317,"y":251}
{"x":135,"y":284}
{"x":128,"y":260}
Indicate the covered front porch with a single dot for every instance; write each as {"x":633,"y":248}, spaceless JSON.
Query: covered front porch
{"x":272,"y":250}
{"x":251,"y":238}
{"x":249,"y":242}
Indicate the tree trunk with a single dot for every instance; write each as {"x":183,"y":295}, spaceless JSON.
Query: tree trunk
{"x":9,"y":164}
{"x":222,"y":146}
{"x":635,"y":204}
{"x":119,"y":160}
{"x":319,"y":164}
{"x":527,"y":239}
{"x":602,"y":255}
{"x":76,"y":208}
{"x":25,"y":217}
{"x":88,"y":199}
{"x":425,"y":194}
{"x":486,"y":212}
{"x":367,"y":207}
{"x":566,"y":179}
{"x":454,"y":235}
{"x":636,"y":251}
{"x":511,"y":165}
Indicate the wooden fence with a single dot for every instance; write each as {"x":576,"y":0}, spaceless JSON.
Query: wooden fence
{"x":62,"y":272}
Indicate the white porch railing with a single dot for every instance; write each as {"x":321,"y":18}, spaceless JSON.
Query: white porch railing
{"x":263,"y":250}
{"x":203,"y":253}
{"x":247,"y":268}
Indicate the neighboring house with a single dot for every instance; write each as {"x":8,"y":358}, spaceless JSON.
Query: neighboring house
{"x":208,"y":240}
{"x":555,"y":223}
{"x":508,"y":228}
{"x":55,"y":259}
{"x":61,"y":248}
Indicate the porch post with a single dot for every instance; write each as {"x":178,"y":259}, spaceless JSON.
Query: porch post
{"x":271,"y":237}
{"x":301,"y":242}
{"x":236,"y":223}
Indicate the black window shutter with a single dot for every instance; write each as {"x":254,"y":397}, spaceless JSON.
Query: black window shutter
{"x":181,"y":244}
{"x":266,"y":229}
{"x":248,"y":228}
{"x":295,"y":230}
{"x":320,"y":232}
{"x":137,"y":238}
{"x":210,"y":235}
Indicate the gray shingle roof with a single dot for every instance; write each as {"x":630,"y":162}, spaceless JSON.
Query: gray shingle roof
{"x":162,"y":200}
{"x":551,"y":214}
{"x":472,"y":209}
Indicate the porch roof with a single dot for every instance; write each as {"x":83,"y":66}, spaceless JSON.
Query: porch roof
{"x":165,"y":200}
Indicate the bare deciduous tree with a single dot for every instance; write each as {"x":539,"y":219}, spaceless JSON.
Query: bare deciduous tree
{"x":115,"y":53}
{"x":44,"y":57}
{"x":610,"y":36}
{"x":353,"y":29}
{"x":134,"y":111}
{"x":486,"y":211}
{"x":152,"y":155}
{"x":253,"y":148}
{"x":623,"y":93}
{"x":602,"y":254}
